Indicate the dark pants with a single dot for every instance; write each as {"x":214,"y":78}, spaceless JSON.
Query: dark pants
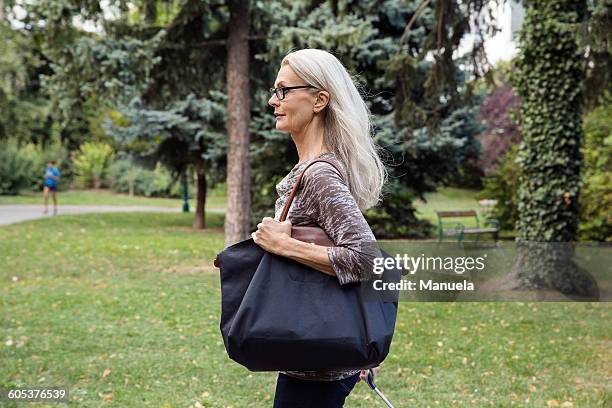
{"x":295,"y":393}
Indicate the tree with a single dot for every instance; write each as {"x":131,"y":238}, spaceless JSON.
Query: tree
{"x":549,"y":77}
{"x":596,"y":192}
{"x":184,"y":133}
{"x":134,"y":56}
{"x":595,"y":37}
{"x":25,"y":112}
{"x":502,"y":132}
{"x":237,"y":217}
{"x":426,"y":133}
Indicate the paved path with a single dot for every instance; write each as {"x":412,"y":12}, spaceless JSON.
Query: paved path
{"x":10,"y":214}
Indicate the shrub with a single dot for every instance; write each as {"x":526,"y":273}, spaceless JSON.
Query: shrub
{"x":92,"y":162}
{"x":22,"y":167}
{"x":128,"y":177}
{"x":33,"y":155}
{"x":396,"y":217}
{"x":15,"y":169}
{"x":39,"y":157}
{"x":596,"y":193}
{"x":123,"y":174}
{"x":153,"y":182}
{"x":502,"y":185}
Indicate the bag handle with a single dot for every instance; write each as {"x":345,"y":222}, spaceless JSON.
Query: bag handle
{"x":296,"y":187}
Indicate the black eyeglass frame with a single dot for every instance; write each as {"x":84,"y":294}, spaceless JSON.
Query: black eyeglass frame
{"x":284,"y":90}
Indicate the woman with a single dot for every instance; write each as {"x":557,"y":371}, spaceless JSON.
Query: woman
{"x":317,"y":103}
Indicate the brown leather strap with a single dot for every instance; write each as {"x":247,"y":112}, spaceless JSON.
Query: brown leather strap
{"x":296,"y":187}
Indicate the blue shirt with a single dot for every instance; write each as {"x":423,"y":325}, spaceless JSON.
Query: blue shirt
{"x":53,"y":171}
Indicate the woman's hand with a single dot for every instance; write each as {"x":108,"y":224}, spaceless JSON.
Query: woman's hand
{"x":364,"y":374}
{"x":271,"y":234}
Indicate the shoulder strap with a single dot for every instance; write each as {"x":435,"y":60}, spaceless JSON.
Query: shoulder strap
{"x":296,"y":187}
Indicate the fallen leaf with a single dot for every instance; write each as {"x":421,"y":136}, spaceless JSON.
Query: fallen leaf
{"x":106,"y":373}
{"x":108,"y":397}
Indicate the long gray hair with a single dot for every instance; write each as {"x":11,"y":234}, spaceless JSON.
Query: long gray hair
{"x":348,"y":126}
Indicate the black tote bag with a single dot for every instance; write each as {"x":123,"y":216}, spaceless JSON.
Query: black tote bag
{"x":280,"y":315}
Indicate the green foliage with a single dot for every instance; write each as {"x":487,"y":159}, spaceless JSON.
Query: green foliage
{"x":106,"y":71}
{"x":384,"y":219}
{"x":22,"y":167}
{"x":430,"y":80}
{"x":187,"y":132}
{"x":596,"y":39}
{"x":596,"y":193}
{"x":105,"y":68}
{"x":15,"y":169}
{"x":502,"y":185}
{"x":24,"y":111}
{"x":469,"y":175}
{"x":548,"y":75}
{"x":127,"y":177}
{"x":82,"y":68}
{"x":13,"y":58}
{"x":88,"y":75}
{"x":365,"y":36}
{"x":92,"y":163}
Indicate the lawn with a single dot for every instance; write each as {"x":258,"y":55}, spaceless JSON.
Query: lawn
{"x":124,"y":310}
{"x":446,"y":198}
{"x":452,"y":199}
{"x":215,"y":199}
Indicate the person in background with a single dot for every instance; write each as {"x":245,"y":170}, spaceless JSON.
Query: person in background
{"x":52,"y":176}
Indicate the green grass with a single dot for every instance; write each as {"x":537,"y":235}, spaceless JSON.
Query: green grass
{"x":125,"y":308}
{"x":446,"y":199}
{"x":107,"y":197}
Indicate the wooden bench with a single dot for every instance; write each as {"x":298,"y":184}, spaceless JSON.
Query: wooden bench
{"x":458,"y":230}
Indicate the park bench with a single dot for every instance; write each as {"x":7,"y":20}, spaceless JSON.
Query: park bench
{"x":459,"y":230}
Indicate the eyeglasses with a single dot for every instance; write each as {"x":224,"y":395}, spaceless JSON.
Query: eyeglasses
{"x":280,"y":92}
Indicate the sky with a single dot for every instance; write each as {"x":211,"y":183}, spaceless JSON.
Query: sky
{"x":502,"y":46}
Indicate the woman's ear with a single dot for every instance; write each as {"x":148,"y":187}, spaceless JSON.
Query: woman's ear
{"x":321,"y":102}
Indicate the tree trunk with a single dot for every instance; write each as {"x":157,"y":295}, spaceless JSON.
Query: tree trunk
{"x":237,"y":217}
{"x":200,"y":215}
{"x":150,"y":11}
{"x":549,"y":77}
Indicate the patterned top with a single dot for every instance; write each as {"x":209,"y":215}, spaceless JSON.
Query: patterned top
{"x":325,"y":199}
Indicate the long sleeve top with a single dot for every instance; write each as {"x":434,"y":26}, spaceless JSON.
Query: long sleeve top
{"x":325,"y":199}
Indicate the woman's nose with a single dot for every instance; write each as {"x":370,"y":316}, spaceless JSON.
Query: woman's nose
{"x":273,"y":101}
